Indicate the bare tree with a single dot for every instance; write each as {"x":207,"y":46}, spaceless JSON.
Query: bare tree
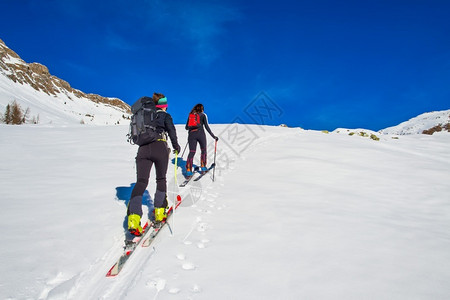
{"x":26,"y":115}
{"x":35,"y":120}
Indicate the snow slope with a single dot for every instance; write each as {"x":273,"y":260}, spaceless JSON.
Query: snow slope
{"x":293,"y":214}
{"x":420,"y":123}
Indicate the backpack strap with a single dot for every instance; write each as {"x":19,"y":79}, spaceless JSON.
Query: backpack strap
{"x":163,"y":133}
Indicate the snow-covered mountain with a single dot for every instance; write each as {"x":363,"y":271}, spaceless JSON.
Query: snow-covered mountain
{"x":428,"y":122}
{"x":51,"y":99}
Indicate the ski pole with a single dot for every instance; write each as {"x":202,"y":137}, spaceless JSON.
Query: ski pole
{"x":184,"y":149}
{"x":176,"y":167}
{"x":215,"y":151}
{"x":176,"y":185}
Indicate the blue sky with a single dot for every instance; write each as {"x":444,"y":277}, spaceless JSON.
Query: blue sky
{"x":315,"y":64}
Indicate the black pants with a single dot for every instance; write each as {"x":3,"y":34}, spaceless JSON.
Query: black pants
{"x":155,"y":153}
{"x":195,"y":137}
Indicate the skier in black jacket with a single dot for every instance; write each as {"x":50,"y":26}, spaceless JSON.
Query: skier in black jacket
{"x":195,"y":124}
{"x":154,"y":153}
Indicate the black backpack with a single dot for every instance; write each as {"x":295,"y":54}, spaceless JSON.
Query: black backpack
{"x":143,"y":122}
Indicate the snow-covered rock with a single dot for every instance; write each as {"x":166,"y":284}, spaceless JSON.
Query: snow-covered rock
{"x":420,"y":123}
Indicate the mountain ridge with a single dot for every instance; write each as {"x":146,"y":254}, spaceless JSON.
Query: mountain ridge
{"x":16,"y":76}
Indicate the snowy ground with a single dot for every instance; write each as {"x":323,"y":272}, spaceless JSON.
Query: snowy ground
{"x":293,"y":214}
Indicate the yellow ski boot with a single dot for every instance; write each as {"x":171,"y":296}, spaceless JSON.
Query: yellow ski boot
{"x":160,"y":214}
{"x":134,"y":225}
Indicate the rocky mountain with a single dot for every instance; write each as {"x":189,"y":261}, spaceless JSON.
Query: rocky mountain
{"x":51,"y":99}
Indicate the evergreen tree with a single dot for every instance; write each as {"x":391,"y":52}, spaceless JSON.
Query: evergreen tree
{"x":7,"y":116}
{"x":14,"y":114}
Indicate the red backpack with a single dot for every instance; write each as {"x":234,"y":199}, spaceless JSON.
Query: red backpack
{"x":194,"y":120}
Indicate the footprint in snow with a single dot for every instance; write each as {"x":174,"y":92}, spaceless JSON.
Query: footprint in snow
{"x":157,"y":283}
{"x":174,"y":291}
{"x":188,"y":266}
{"x":202,"y":243}
{"x":202,"y":227}
{"x":196,"y":289}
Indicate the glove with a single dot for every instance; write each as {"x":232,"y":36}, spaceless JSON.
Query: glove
{"x":176,"y":149}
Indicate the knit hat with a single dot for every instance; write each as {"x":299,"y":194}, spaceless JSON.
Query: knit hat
{"x":162,"y":103}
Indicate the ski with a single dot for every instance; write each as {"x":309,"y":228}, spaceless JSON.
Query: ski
{"x":205,"y":172}
{"x":184,"y":183}
{"x":149,"y":239}
{"x":189,"y":178}
{"x":131,"y":245}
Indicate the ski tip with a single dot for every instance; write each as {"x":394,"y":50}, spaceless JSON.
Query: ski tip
{"x":113,"y":271}
{"x":178,"y":198}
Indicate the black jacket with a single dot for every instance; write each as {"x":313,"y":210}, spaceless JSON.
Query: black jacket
{"x":165,"y":124}
{"x":203,"y":123}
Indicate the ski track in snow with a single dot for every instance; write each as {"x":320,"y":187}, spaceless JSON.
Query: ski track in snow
{"x":198,"y":197}
{"x":190,"y":239}
{"x":201,"y":199}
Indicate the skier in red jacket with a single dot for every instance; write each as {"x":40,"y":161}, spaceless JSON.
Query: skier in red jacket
{"x":195,"y":124}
